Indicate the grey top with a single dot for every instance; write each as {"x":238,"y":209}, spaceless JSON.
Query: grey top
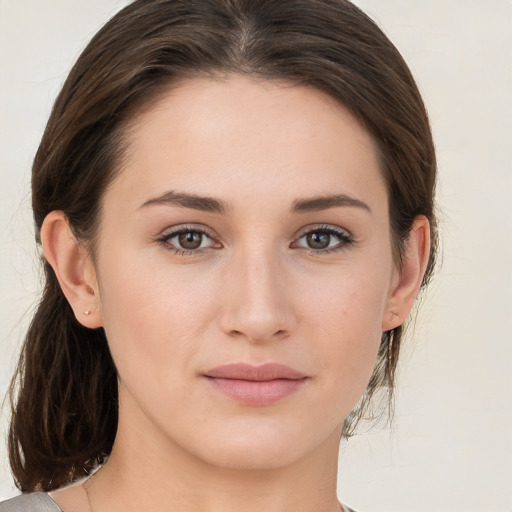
{"x":40,"y":502}
{"x":33,"y":502}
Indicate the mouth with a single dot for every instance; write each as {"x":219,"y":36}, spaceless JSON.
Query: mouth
{"x":255,"y":385}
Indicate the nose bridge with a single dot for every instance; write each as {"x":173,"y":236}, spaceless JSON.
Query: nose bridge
{"x":259,"y":306}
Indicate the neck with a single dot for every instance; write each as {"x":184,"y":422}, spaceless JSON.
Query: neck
{"x":147,"y":472}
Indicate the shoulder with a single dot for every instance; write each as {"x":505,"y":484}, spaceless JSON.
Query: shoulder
{"x":33,"y":502}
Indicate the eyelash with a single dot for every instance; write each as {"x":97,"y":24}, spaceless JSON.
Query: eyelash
{"x":343,"y":236}
{"x":165,"y":240}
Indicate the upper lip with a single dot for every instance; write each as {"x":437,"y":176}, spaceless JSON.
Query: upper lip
{"x":244,"y":371}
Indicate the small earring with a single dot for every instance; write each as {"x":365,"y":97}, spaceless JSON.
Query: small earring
{"x":87,"y":312}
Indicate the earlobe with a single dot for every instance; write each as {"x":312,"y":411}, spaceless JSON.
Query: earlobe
{"x":414,"y":264}
{"x":73,"y":268}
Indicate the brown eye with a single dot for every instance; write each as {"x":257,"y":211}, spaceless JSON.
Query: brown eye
{"x":318,"y":240}
{"x":190,"y":240}
{"x":324,"y":240}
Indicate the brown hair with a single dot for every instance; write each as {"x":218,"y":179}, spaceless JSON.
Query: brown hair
{"x":64,"y":395}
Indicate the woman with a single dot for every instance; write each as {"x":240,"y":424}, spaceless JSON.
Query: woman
{"x":234,"y":199}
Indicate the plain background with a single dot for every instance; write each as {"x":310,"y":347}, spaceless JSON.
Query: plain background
{"x":450,"y":448}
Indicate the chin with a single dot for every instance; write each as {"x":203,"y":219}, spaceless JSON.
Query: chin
{"x":263,"y":447}
{"x":251,"y":457}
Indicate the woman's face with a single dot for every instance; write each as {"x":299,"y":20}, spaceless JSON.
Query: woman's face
{"x":248,"y":226}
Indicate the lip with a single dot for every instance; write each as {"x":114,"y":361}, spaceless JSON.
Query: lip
{"x":255,"y":385}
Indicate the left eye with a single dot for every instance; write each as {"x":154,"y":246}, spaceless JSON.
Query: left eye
{"x":323,"y":239}
{"x":189,"y":240}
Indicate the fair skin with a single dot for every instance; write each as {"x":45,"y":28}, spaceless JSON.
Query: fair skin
{"x":261,"y":274}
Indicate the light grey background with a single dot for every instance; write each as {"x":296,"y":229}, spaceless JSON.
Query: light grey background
{"x":451,"y":445}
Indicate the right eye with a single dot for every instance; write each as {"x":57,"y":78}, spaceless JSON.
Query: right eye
{"x":187,"y":241}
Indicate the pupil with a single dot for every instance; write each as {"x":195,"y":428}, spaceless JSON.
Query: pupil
{"x":190,"y":240}
{"x":319,"y":240}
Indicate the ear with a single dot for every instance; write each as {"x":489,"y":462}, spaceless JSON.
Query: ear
{"x":410,"y":275}
{"x":73,"y":267}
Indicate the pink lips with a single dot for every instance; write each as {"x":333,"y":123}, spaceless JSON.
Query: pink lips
{"x":255,"y":385}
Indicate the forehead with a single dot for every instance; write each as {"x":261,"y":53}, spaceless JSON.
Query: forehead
{"x":239,"y":136}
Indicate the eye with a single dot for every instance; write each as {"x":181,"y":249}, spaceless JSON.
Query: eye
{"x":324,"y":239}
{"x":187,"y":240}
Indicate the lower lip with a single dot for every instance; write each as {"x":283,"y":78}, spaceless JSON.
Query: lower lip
{"x":250,"y":392}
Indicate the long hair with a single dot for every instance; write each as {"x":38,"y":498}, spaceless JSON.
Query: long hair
{"x":64,"y":394}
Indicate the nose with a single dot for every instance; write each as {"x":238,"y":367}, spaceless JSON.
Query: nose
{"x":258,"y":302}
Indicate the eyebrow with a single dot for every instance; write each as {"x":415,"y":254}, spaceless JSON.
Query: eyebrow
{"x":209,"y":204}
{"x":172,"y":198}
{"x":316,"y":204}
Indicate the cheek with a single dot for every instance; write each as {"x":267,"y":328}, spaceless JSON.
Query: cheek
{"x":152,"y":317}
{"x":350,"y":302}
{"x":346,"y":317}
